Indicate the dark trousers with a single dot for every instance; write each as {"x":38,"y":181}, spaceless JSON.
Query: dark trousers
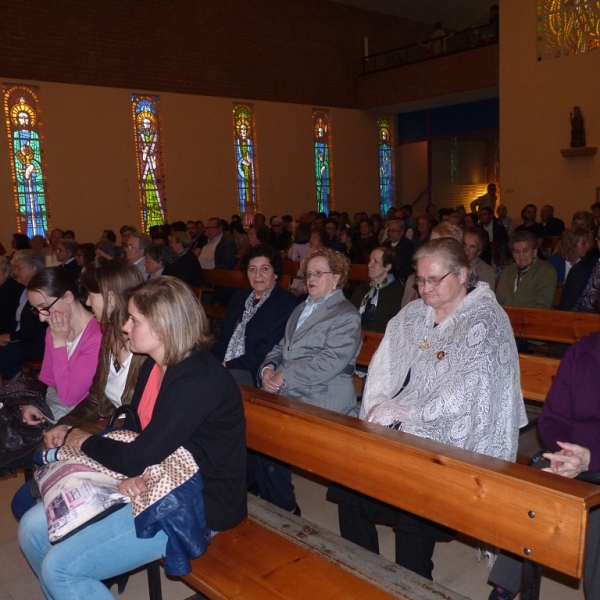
{"x":415,"y":536}
{"x":273,"y":480}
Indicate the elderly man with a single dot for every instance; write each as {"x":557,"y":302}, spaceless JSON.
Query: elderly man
{"x":135,"y":251}
{"x":475,"y":242}
{"x":65,"y":254}
{"x":403,"y":248}
{"x":186,"y":267}
{"x":55,"y":236}
{"x":550,"y":224}
{"x":279,"y":237}
{"x":529,"y":282}
{"x":219,"y":251}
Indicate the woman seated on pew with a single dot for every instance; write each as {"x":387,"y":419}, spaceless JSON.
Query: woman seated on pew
{"x":118,"y":369}
{"x":573,"y":245}
{"x":73,"y":340}
{"x":568,"y":428}
{"x":582,"y":286}
{"x":378,"y":300}
{"x":183,"y":397}
{"x":448,"y":370}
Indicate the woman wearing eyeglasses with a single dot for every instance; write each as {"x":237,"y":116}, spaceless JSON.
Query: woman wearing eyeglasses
{"x":448,"y":370}
{"x":72,"y":341}
{"x":314,"y":361}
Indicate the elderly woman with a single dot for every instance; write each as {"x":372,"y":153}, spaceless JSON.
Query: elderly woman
{"x":582,"y":286}
{"x":85,"y":255}
{"x":108,"y":250}
{"x":315,"y":359}
{"x":65,"y":254}
{"x":573,"y":246}
{"x":423,"y":232}
{"x":23,"y":339}
{"x":378,"y":300}
{"x":255,"y":320}
{"x":158,"y":256}
{"x":184,"y":398}
{"x":257,"y":234}
{"x":186,"y":265}
{"x":476,"y":240}
{"x":448,"y":370}
{"x":568,"y":428}
{"x":529,"y":282}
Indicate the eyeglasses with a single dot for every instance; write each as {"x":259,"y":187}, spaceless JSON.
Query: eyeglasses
{"x":130,"y":247}
{"x":434,"y":281}
{"x":315,"y":274}
{"x":59,"y":250}
{"x":43,"y":311}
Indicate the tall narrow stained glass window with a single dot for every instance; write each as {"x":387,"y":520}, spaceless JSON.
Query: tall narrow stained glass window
{"x":148,"y":145}
{"x":566,"y":27}
{"x":323,"y":167}
{"x":386,"y":164}
{"x":245,"y":160}
{"x":23,"y":122}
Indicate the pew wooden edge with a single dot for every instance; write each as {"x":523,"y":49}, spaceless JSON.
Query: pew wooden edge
{"x":274,"y":554}
{"x":407,"y":471}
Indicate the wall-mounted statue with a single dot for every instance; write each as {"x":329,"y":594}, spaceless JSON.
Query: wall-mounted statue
{"x":577,"y":130}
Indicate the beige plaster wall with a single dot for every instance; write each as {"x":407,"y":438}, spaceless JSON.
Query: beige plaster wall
{"x":535,"y":101}
{"x":91,"y":168}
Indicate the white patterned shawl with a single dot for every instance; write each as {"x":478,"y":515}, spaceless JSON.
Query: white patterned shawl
{"x":464,"y":387}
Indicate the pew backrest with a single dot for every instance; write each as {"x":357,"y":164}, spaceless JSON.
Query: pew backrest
{"x":534,"y":514}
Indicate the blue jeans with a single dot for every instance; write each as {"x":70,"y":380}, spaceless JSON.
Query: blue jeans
{"x":74,"y":568}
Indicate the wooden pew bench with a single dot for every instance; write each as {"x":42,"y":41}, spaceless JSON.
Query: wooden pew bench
{"x":531,"y":513}
{"x":551,"y":325}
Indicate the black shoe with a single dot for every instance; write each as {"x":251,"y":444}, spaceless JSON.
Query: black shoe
{"x":297,"y":511}
{"x":499,"y":593}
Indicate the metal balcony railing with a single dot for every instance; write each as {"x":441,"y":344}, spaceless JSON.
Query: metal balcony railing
{"x":460,"y":41}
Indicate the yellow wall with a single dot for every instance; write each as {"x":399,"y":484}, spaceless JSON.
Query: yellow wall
{"x":91,"y":167}
{"x":535,"y":101}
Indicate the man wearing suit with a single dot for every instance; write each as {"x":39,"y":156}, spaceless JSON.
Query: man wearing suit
{"x":65,"y":253}
{"x":219,"y":251}
{"x":550,"y":224}
{"x":492,"y":225}
{"x":135,"y":251}
{"x":403,"y":248}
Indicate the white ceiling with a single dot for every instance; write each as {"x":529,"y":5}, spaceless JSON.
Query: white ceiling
{"x":453,"y":14}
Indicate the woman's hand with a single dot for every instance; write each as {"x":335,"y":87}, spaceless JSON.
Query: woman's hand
{"x":60,"y":327}
{"x":271,"y":381}
{"x":55,"y":437}
{"x":31,"y":415}
{"x":4,"y":339}
{"x":76,"y":437}
{"x":569,"y":461}
{"x":134,"y":486}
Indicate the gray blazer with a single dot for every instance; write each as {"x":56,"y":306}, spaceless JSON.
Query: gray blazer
{"x":317,"y":360}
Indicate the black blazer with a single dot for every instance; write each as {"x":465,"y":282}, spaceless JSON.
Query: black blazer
{"x":187,"y":268}
{"x":225,"y":253}
{"x":264,"y":330}
{"x":31,"y":336}
{"x":10,"y":294}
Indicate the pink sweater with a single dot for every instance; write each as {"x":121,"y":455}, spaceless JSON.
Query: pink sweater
{"x":72,"y":377}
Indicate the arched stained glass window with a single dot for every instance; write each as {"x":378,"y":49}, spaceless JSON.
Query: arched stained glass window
{"x":22,"y":112}
{"x":323,"y":166}
{"x":245,"y":160}
{"x":564,"y":28}
{"x":148,"y":144}
{"x":386,"y":165}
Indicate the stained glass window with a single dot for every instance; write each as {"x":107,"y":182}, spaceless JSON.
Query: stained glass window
{"x":566,"y":27}
{"x":386,"y":165}
{"x":245,"y":160}
{"x":148,"y":144}
{"x":323,"y":170}
{"x":22,"y":112}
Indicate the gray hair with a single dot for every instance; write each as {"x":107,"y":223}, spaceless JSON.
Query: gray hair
{"x":183,"y":238}
{"x":522,"y":236}
{"x":454,"y":255}
{"x":145,"y":240}
{"x":400,"y":222}
{"x":31,"y":259}
{"x":5,"y":265}
{"x":70,"y":246}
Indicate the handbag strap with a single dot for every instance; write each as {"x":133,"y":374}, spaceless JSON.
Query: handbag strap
{"x":132,"y":421}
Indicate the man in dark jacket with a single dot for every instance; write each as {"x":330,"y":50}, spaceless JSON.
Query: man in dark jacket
{"x":402,"y":247}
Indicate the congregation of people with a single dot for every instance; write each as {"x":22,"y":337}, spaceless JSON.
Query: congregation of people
{"x":118,"y":322}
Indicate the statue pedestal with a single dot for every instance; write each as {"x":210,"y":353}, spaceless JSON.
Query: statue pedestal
{"x":573,"y":152}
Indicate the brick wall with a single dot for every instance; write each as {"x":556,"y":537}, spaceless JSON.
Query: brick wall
{"x":450,"y":74}
{"x":302,"y":51}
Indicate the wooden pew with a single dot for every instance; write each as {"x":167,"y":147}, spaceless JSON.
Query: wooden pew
{"x":532,"y":513}
{"x":551,"y":325}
